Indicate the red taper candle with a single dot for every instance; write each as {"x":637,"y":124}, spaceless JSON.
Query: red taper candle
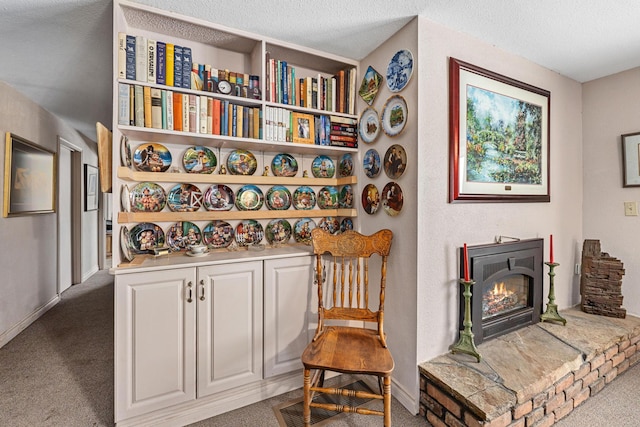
{"x":465,"y":255}
{"x":551,"y":248}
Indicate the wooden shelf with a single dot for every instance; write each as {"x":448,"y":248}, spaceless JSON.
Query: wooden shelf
{"x":128,"y":217}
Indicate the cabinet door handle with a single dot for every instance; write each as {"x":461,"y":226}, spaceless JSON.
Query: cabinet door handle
{"x":202,"y":287}
{"x":189,"y":292}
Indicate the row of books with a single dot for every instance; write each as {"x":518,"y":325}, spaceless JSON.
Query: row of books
{"x":149,"y":107}
{"x":152,"y":61}
{"x":343,"y":132}
{"x":330,"y":93}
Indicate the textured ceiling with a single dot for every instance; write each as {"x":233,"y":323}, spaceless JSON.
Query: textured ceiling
{"x":58,"y":52}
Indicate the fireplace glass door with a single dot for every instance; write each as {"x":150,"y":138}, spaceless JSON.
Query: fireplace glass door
{"x":505,"y":295}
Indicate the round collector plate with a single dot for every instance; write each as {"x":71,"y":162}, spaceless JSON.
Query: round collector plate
{"x":278,"y":198}
{"x":218,"y":234}
{"x":371,"y":163}
{"x":394,"y":115}
{"x":302,"y":230}
{"x":399,"y":70}
{"x":152,"y":157}
{"x":278,"y":231}
{"x":323,"y":167}
{"x":346,"y":197}
{"x":184,"y":198}
{"x":346,"y":224}
{"x":329,"y":224}
{"x":146,"y":236}
{"x":125,"y":243}
{"x":345,"y":167}
{"x":328,"y":197}
{"x":219,"y":197}
{"x":249,"y":198}
{"x":395,"y":161}
{"x":304,"y":198}
{"x":249,"y":232}
{"x":147,"y":197}
{"x":183,"y":234}
{"x":199,"y":159}
{"x":125,"y":151}
{"x":370,"y":199}
{"x":125,"y":198}
{"x":242,"y":162}
{"x":284,"y":164}
{"x":392,"y":199}
{"x":369,"y":125}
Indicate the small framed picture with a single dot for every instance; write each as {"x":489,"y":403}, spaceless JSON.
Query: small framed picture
{"x":303,"y":128}
{"x":90,"y":187}
{"x":631,"y":160}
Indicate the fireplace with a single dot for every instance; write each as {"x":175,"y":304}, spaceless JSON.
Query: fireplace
{"x":507,"y":293}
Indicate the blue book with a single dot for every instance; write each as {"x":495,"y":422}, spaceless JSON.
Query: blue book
{"x":131,"y":58}
{"x":177,"y":66}
{"x":186,"y":67}
{"x":161,"y":51}
{"x":224,"y":119}
{"x":234,"y":119}
{"x":283,"y":83}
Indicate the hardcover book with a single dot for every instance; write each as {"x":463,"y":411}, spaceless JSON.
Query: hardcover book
{"x":169,"y":110}
{"x":151,"y":61}
{"x":156,"y":108}
{"x":130,"y":69}
{"x":147,"y":106}
{"x":215,"y":126}
{"x":177,"y":111}
{"x":186,"y":67}
{"x":170,"y":64}
{"x":161,"y":60}
{"x":122,"y":55}
{"x":177,"y":66}
{"x":139,"y":106}
{"x":193,"y":113}
{"x":203,"y":114}
{"x":123,"y":104}
{"x":141,"y":59}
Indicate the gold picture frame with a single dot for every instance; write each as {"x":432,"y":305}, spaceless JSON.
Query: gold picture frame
{"x":303,"y":128}
{"x":29,"y":178}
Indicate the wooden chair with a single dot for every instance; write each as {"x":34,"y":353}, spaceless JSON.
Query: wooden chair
{"x":343,"y":342}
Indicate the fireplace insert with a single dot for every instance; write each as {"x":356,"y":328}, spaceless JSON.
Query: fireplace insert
{"x":507,"y":294}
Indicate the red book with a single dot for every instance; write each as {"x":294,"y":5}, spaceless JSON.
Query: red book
{"x":177,"y":111}
{"x":215,"y":129}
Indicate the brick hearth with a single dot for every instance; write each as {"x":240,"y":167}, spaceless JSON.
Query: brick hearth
{"x":531,"y":377}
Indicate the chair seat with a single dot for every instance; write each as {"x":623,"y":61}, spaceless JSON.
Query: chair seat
{"x":349,"y":350}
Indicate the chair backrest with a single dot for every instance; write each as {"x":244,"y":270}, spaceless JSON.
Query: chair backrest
{"x":347,"y":279}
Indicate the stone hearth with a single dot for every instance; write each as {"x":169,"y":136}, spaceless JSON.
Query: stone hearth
{"x":530,"y":377}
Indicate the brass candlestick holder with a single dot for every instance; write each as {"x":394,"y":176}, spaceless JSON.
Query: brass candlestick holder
{"x":552,"y":308}
{"x":466,"y":344}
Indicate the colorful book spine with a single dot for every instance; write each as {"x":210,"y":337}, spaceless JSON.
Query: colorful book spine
{"x":163,"y":98}
{"x":156,"y":108}
{"x":123,"y":104}
{"x":151,"y":61}
{"x":147,"y":106}
{"x":257,"y":125}
{"x":161,"y":61}
{"x":193,"y":113}
{"x":130,"y":69}
{"x":122,"y":55}
{"x":169,"y":110}
{"x":284,"y":82}
{"x":177,"y":111}
{"x":141,"y":59}
{"x":234,"y":119}
{"x":209,"y":115}
{"x":177,"y":66}
{"x":224,"y":120}
{"x":139,"y":106}
{"x":215,"y":126}
{"x":132,"y":105}
{"x":186,"y":67}
{"x":170,"y":64}
{"x":202,"y":128}
{"x":185,"y":112}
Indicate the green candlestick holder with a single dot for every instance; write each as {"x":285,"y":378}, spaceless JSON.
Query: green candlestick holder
{"x":551,"y":314}
{"x":465,"y":343}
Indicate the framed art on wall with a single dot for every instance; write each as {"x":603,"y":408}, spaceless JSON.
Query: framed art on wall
{"x":29,"y":178}
{"x":90,"y":187}
{"x":499,"y":137}
{"x":631,"y":159}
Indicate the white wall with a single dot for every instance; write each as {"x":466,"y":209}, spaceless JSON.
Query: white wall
{"x":611,"y":108}
{"x":28,"y":260}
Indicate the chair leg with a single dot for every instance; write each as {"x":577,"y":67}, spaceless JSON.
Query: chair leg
{"x":387,"y":401}
{"x":306,"y":397}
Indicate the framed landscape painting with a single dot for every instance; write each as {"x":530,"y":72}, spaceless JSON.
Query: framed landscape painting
{"x":499,"y":137}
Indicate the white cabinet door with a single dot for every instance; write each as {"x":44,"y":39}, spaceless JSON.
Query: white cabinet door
{"x":290,"y":305}
{"x":155,"y":340}
{"x":229,"y":326}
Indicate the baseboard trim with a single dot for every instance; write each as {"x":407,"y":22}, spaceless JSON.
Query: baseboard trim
{"x":91,"y":272}
{"x":405,"y":398}
{"x":12,"y":332}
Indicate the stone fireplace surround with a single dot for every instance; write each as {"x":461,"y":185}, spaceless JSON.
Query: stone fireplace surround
{"x":531,"y":377}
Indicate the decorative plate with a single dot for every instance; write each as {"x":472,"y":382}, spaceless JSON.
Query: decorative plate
{"x":346,"y":224}
{"x":249,"y":232}
{"x":346,"y":197}
{"x":278,"y":231}
{"x":125,"y":151}
{"x":323,"y":167}
{"x":399,"y":70}
{"x":242,"y":162}
{"x":370,"y":84}
{"x":329,"y":224}
{"x":304,"y":198}
{"x":152,"y":157}
{"x":345,"y":167}
{"x":394,"y":115}
{"x":328,"y":197}
{"x":219,"y":197}
{"x":302,"y":230}
{"x":369,"y":125}
{"x":146,"y":236}
{"x":199,"y":159}
{"x":147,"y":197}
{"x":284,"y":164}
{"x":249,"y":198}
{"x":370,"y":199}
{"x":124,"y":198}
{"x":125,"y":243}
{"x":218,"y":234}
{"x":392,"y":198}
{"x":183,"y":234}
{"x":184,"y":198}
{"x":371,"y":163}
{"x":278,"y":198}
{"x":395,"y":161}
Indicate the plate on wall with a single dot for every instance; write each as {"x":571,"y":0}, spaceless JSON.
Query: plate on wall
{"x":302,"y":230}
{"x":346,"y":224}
{"x":395,"y":161}
{"x":125,"y":151}
{"x":370,"y":199}
{"x":392,"y":199}
{"x":369,"y":125}
{"x":147,"y":197}
{"x":218,"y":234}
{"x":371,"y":163}
{"x":278,"y":198}
{"x":199,"y":159}
{"x":399,"y":70}
{"x":219,"y":197}
{"x":370,"y":85}
{"x":125,"y":243}
{"x":323,"y":167}
{"x":394,"y":115}
{"x":328,"y":197}
{"x":184,"y":198}
{"x":152,"y":157}
{"x":345,"y":167}
{"x":249,"y":198}
{"x":284,"y":164}
{"x":346,"y":197}
{"x":249,"y":232}
{"x":329,"y":224}
{"x":242,"y":162}
{"x":304,"y":198}
{"x":125,"y":198}
{"x":278,"y":231}
{"x":183,"y":234}
{"x":146,"y":236}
